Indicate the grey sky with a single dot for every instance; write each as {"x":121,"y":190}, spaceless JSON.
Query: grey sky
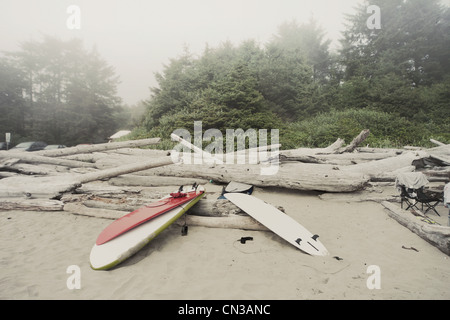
{"x":138,"y":36}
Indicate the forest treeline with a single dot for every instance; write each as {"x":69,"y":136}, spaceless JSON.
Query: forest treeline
{"x":394,"y":81}
{"x":58,"y":92}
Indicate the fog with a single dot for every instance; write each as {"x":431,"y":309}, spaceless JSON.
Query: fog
{"x":137,"y":37}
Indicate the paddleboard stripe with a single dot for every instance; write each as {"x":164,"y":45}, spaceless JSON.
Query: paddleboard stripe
{"x":126,"y":254}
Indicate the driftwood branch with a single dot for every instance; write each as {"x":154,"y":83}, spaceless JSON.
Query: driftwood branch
{"x":356,"y":141}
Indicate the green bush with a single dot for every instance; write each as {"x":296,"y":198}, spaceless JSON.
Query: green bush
{"x":386,"y":130}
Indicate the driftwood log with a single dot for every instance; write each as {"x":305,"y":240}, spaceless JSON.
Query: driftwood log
{"x":153,"y":181}
{"x":35,"y":158}
{"x":31,"y":204}
{"x":438,"y":236}
{"x":53,"y":186}
{"x":98,"y":147}
{"x":228,"y":222}
{"x":301,"y":176}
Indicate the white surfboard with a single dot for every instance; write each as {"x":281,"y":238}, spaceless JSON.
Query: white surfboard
{"x":113,"y":252}
{"x":280,"y":223}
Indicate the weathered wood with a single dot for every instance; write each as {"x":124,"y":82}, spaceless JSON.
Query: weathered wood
{"x":309,"y":154}
{"x":54,"y":186}
{"x":215,"y":208}
{"x":437,"y":142}
{"x":31,"y":204}
{"x":299,"y":176}
{"x":374,"y":168}
{"x":98,"y":147}
{"x":356,"y":141}
{"x":438,"y":236}
{"x":82,"y":210}
{"x":29,"y":169}
{"x":124,"y":169}
{"x":360,"y":196}
{"x":228,"y":222}
{"x":35,"y":158}
{"x":105,"y":190}
{"x":153,"y":181}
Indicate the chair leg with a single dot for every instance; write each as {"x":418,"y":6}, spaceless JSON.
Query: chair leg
{"x":432,"y":207}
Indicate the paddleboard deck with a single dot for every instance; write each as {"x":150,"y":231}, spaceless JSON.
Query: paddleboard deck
{"x":117,"y":250}
{"x":141,"y":215}
{"x":280,"y":223}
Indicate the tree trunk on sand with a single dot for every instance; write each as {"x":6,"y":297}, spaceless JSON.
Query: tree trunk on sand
{"x":439,"y":236}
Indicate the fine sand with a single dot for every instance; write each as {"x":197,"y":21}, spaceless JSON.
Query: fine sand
{"x":36,"y":249}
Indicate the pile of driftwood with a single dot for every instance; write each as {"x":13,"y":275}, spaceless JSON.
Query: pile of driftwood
{"x":109,"y":180}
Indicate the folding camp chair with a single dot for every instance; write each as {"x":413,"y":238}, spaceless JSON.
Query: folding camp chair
{"x":408,"y":183}
{"x":408,"y":195}
{"x":430,"y":199}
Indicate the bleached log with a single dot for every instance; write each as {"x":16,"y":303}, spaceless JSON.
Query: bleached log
{"x":438,"y":236}
{"x":82,"y":210}
{"x":116,"y":206}
{"x":390,"y":176}
{"x":309,"y":153}
{"x":360,"y":196}
{"x":355,"y":157}
{"x":215,"y":208}
{"x":86,"y":157}
{"x":34,"y":158}
{"x":441,"y":172}
{"x":228,"y":222}
{"x":105,"y":190}
{"x":356,"y":141}
{"x":298,"y":176}
{"x":153,"y":181}
{"x":380,"y":150}
{"x":124,"y":169}
{"x":147,"y":153}
{"x":437,"y":142}
{"x":29,"y":169}
{"x":54,"y":186}
{"x":5,"y":174}
{"x":98,"y":147}
{"x":374,"y":168}
{"x":31,"y":205}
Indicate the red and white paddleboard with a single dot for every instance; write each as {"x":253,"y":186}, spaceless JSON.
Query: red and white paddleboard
{"x":144,"y":214}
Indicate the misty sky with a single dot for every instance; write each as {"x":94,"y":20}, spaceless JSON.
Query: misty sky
{"x":138,"y":36}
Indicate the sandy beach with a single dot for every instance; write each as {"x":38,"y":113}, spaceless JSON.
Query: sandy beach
{"x":36,"y":249}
